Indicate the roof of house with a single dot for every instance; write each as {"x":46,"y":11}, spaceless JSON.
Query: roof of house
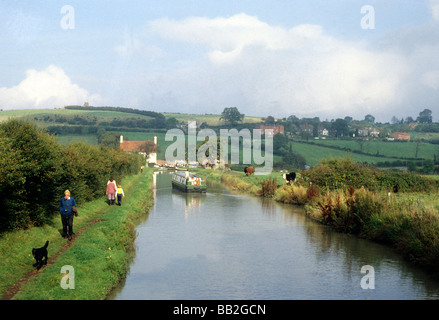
{"x":131,"y":146}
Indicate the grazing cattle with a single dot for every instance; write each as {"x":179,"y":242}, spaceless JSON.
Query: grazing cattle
{"x":290,"y":177}
{"x":249,"y":171}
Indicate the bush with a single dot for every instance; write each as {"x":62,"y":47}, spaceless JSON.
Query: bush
{"x":269,"y":187}
{"x":295,"y":194}
{"x":35,"y":170}
{"x":344,"y":173}
{"x":412,"y":229}
{"x":30,"y":164}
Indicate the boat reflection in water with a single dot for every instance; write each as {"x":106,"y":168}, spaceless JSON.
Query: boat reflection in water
{"x":191,"y":202}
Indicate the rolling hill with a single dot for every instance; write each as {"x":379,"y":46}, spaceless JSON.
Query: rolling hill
{"x":85,"y":124}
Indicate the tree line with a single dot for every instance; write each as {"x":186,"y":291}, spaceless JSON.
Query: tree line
{"x":159,"y":122}
{"x":338,"y":127}
{"x":35,"y":170}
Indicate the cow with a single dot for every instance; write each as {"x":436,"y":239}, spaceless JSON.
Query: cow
{"x":289,"y":177}
{"x":249,"y":171}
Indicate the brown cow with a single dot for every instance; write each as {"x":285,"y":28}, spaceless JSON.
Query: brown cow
{"x":249,"y":171}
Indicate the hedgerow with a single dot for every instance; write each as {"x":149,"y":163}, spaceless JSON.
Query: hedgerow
{"x":35,"y":170}
{"x":344,"y":173}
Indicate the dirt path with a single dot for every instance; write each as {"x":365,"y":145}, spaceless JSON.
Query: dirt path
{"x":14,"y":289}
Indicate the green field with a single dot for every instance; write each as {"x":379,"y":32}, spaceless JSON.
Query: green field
{"x":424,"y":135}
{"x":373,"y":151}
{"x":4,"y":115}
{"x":314,"y":154}
{"x":210,"y":119}
{"x":386,"y":148}
{"x":86,"y":138}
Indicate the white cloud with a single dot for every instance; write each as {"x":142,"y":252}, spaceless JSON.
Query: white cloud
{"x":47,"y":88}
{"x":264,"y":69}
{"x":434,"y":7}
{"x":272,"y":70}
{"x":431,"y":79}
{"x":227,"y":37}
{"x":132,"y":46}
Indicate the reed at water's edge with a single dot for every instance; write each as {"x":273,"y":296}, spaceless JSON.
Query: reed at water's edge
{"x":409,"y":222}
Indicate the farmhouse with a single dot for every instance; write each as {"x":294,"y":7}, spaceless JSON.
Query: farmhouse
{"x":276,"y":128}
{"x":307,"y":128}
{"x":145,"y":148}
{"x":404,"y":136}
{"x":365,"y":132}
{"x":323,"y":131}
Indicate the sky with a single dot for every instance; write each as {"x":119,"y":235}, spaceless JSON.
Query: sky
{"x":313,"y":58}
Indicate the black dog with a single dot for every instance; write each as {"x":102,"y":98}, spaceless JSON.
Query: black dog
{"x":39,"y":254}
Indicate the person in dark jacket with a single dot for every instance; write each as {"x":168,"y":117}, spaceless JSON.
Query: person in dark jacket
{"x":67,"y":208}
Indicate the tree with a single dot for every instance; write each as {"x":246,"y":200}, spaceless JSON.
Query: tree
{"x":425,"y":116}
{"x":395,"y":120}
{"x":171,"y":123}
{"x":148,"y":147}
{"x":428,"y":166}
{"x":231,"y":115}
{"x":269,"y":120}
{"x":340,"y":127}
{"x":294,"y":159}
{"x":411,"y":166}
{"x":361,"y":143}
{"x":30,"y":163}
{"x":369,"y":118}
{"x":109,"y":139}
{"x":292,"y":118}
{"x":409,"y":120}
{"x":280,"y":142}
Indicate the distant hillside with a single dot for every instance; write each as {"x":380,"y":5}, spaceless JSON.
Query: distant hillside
{"x":88,"y":124}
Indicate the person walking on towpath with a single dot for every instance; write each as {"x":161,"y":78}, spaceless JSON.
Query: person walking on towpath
{"x":111,"y":190}
{"x":67,"y":208}
{"x":120,"y":194}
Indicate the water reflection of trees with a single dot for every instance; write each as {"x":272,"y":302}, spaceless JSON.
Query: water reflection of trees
{"x":352,"y":252}
{"x":268,"y":206}
{"x":355,"y":252}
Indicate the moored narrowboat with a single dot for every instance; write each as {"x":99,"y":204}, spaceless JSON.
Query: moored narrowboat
{"x":188,"y":182}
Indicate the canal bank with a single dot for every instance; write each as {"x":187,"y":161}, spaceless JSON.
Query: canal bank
{"x":99,"y":254}
{"x":409,"y":225}
{"x":225,"y":245}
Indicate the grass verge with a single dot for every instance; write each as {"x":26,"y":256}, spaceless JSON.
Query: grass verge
{"x":99,"y":253}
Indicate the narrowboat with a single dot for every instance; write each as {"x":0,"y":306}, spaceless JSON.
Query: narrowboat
{"x":188,"y":182}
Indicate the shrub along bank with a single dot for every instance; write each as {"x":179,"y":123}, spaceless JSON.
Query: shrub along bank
{"x":410,"y":226}
{"x":35,"y":170}
{"x":344,"y":173}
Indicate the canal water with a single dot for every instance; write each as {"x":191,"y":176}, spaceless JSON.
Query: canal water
{"x":222,"y":245}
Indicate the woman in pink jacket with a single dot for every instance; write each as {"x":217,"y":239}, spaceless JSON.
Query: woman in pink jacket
{"x":111,"y":190}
